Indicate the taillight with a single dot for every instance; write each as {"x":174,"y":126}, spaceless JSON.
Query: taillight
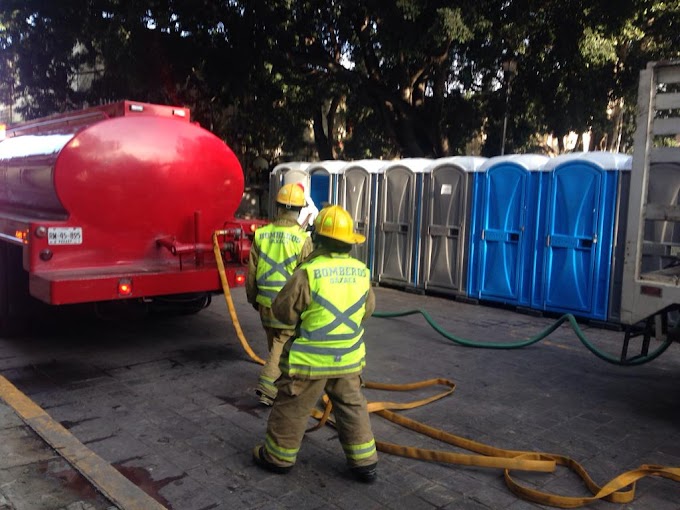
{"x":22,"y":235}
{"x":240,"y":278}
{"x":124,"y":287}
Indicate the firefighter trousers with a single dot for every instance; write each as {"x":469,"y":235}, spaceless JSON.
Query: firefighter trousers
{"x":276,"y":339}
{"x":290,"y":413}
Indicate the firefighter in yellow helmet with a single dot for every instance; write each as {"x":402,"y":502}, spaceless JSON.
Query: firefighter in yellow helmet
{"x":328,"y":297}
{"x":277,"y":249}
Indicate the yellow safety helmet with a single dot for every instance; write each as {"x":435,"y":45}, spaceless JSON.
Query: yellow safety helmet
{"x":292,"y":195}
{"x":334,"y":222}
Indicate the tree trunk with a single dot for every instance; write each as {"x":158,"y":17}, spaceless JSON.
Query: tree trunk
{"x":614,"y":144}
{"x":321,"y":140}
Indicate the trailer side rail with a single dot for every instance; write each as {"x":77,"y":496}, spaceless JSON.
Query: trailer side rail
{"x":647,"y":291}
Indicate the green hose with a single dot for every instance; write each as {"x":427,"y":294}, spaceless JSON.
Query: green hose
{"x":524,"y":343}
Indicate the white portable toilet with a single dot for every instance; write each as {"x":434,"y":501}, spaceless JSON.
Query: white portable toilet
{"x":357,"y":193}
{"x":447,"y":205}
{"x":399,"y":213}
{"x":286,"y":173}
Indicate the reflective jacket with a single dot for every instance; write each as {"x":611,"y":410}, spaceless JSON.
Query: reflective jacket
{"x":329,"y":339}
{"x":279,"y":252}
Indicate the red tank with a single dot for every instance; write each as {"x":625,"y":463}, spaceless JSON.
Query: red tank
{"x":119,"y":202}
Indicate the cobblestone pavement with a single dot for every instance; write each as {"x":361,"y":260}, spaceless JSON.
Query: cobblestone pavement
{"x":170,"y":403}
{"x":33,"y":476}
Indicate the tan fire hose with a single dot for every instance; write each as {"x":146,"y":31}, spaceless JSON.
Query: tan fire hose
{"x":230,"y":302}
{"x":620,"y":489}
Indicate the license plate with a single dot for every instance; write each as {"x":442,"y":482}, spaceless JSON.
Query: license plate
{"x":64,"y":235}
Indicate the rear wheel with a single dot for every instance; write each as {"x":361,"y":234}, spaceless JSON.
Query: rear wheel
{"x":181,"y":304}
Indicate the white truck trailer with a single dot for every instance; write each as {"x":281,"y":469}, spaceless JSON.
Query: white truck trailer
{"x":651,"y":271}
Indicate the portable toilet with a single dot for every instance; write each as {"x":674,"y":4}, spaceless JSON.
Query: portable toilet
{"x":508,"y":193}
{"x":661,"y":241}
{"x":447,"y":206}
{"x":323,"y":178}
{"x":357,"y":193}
{"x":286,"y":173}
{"x":399,"y":222}
{"x":579,"y":267}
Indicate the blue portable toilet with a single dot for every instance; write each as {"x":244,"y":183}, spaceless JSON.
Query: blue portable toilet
{"x":399,"y":221}
{"x":286,"y":173}
{"x":447,"y":205}
{"x":581,"y":243}
{"x":323,"y":179}
{"x":357,"y":193}
{"x":507,"y":202}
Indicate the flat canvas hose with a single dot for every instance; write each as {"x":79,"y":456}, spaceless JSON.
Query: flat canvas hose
{"x":230,"y":301}
{"x":620,"y":489}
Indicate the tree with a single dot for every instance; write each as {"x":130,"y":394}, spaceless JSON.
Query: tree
{"x":410,"y":78}
{"x":205,"y":55}
{"x":579,"y":63}
{"x":42,"y":47}
{"x":7,"y":71}
{"x":396,"y":59}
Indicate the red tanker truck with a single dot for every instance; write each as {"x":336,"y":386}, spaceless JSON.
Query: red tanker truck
{"x":118,"y":202}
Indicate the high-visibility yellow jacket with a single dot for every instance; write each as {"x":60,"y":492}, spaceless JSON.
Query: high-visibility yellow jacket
{"x":279,"y":250}
{"x":329,"y":338}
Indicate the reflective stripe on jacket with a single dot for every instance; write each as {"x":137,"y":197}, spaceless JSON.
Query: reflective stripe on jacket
{"x":280,"y":249}
{"x":329,"y":341}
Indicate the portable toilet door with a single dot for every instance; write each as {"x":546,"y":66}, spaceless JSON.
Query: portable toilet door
{"x":446,"y":212}
{"x":358,"y":190}
{"x":506,"y":204}
{"x":399,"y":209}
{"x":323,"y":178}
{"x":286,"y":173}
{"x":580,"y":233}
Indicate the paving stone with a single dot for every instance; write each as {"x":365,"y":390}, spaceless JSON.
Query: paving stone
{"x":187,"y":494}
{"x":117,"y":448}
{"x":21,"y":446}
{"x":172,"y":400}
{"x":439,"y":496}
{"x":8,"y":418}
{"x":39,"y":485}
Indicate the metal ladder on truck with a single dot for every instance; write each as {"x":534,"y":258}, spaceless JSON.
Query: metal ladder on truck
{"x":651,"y":270}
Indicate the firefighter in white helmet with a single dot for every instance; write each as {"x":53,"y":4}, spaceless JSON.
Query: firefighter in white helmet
{"x":277,"y":249}
{"x":328,"y":297}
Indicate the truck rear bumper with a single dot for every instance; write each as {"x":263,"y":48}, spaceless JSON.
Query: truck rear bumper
{"x":69,"y":287}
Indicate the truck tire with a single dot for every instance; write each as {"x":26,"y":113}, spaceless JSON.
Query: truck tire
{"x":183,"y":304}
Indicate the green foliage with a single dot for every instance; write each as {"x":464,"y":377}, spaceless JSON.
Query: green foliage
{"x":596,"y":48}
{"x":373,"y":79}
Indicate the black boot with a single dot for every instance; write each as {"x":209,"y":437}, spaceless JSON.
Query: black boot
{"x":366,"y":474}
{"x":261,"y":461}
